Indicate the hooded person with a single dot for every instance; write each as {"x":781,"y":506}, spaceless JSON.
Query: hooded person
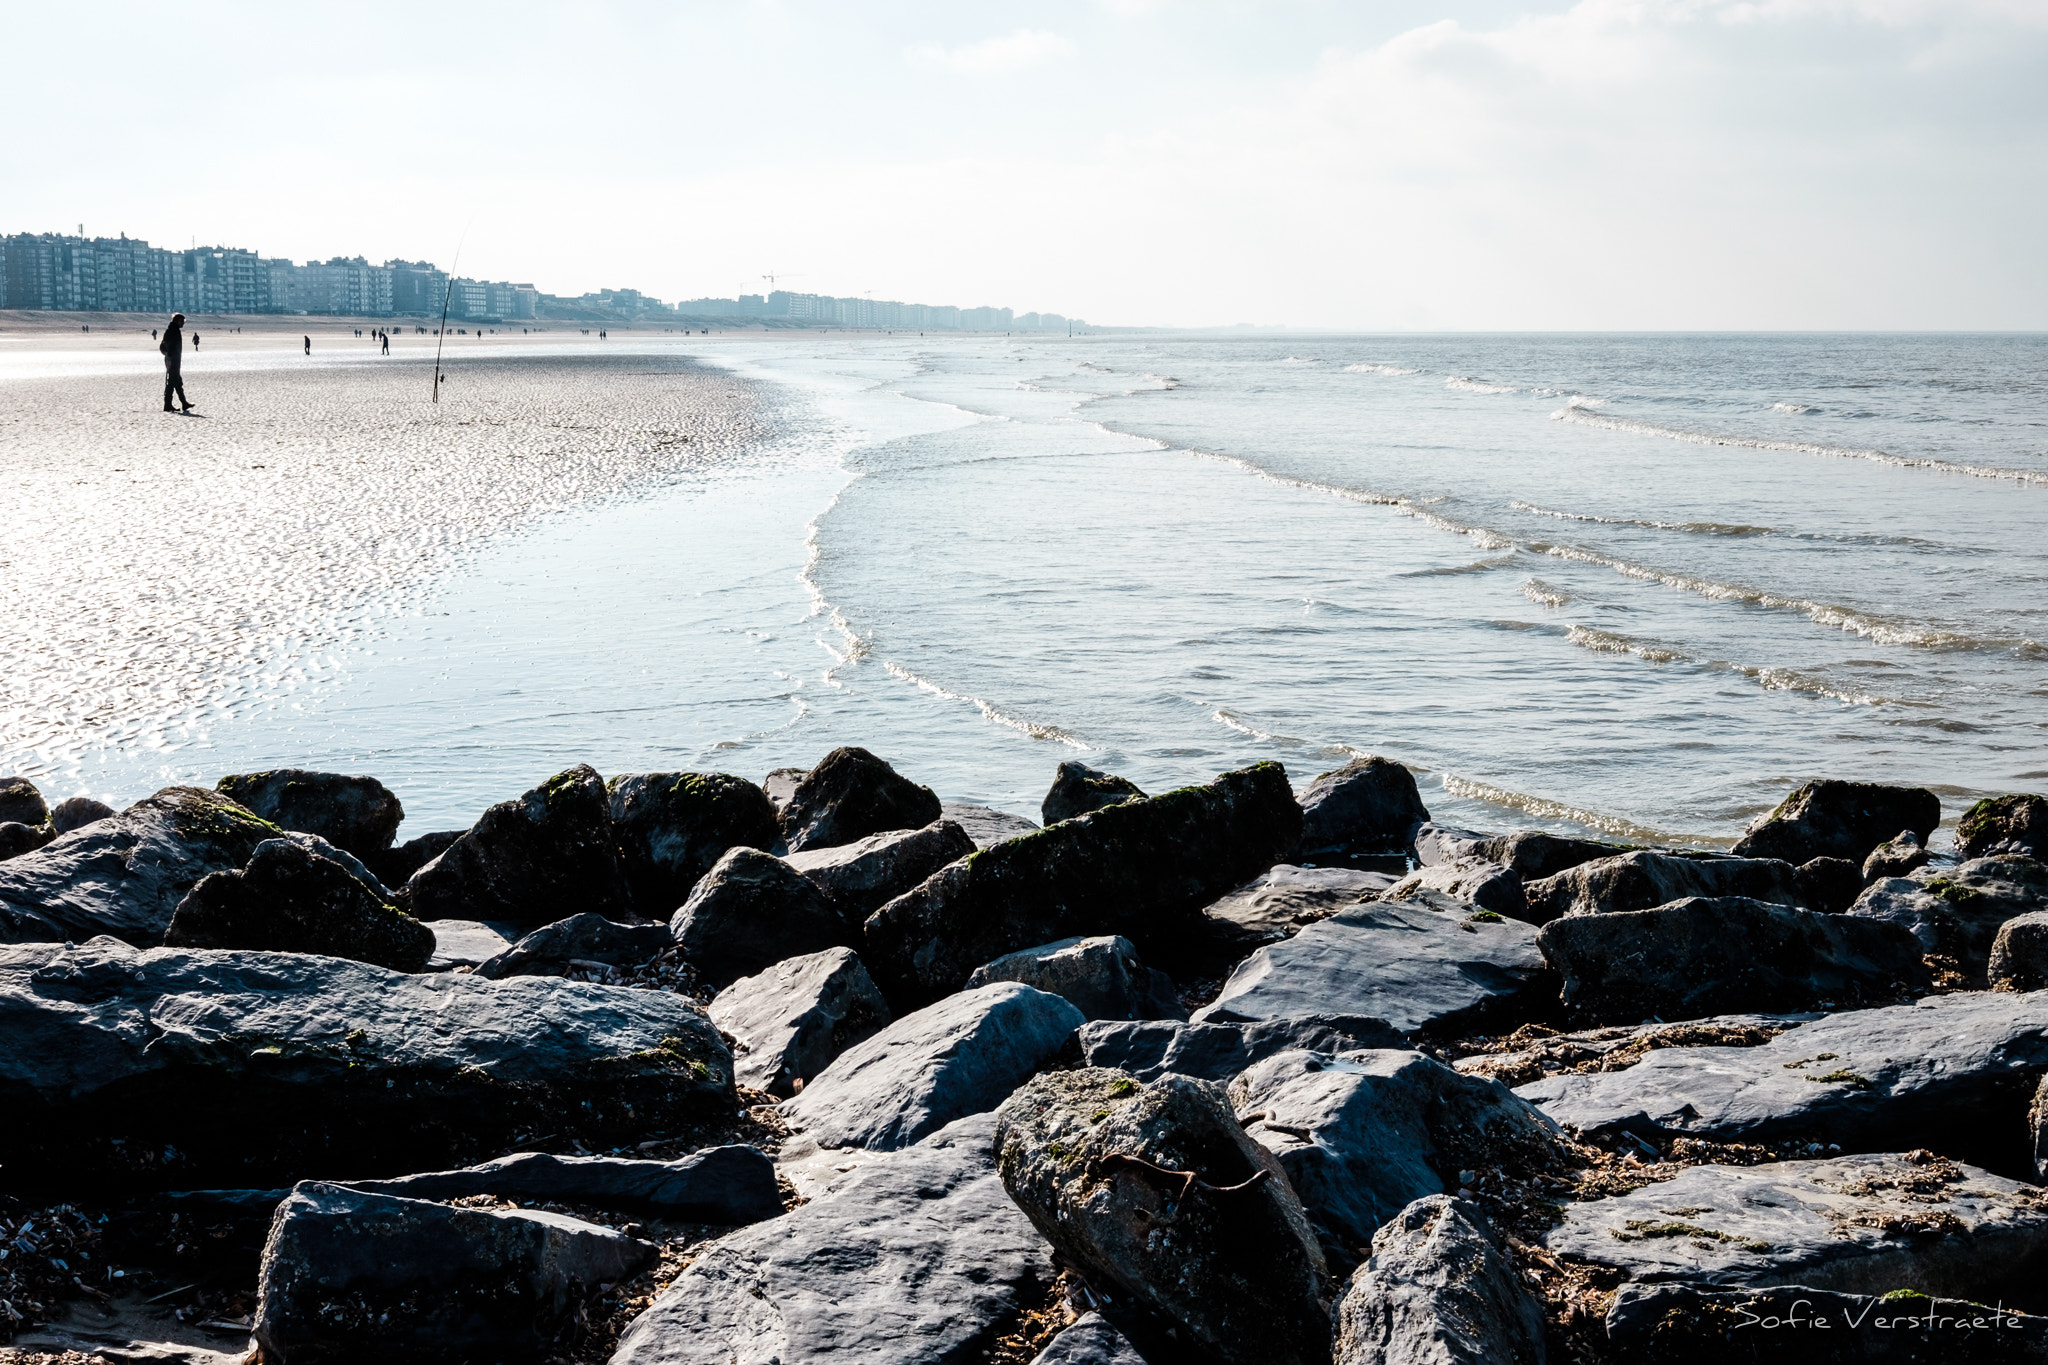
{"x":173,"y":348}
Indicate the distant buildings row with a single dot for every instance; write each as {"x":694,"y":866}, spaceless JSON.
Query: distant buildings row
{"x":54,"y":272}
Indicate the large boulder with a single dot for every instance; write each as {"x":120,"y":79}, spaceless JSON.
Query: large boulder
{"x":749,"y":912}
{"x":1101,"y":977}
{"x":532,"y":861}
{"x":350,"y":1276}
{"x":916,"y":1257}
{"x":1531,"y":854}
{"x":863,"y":876}
{"x":1646,"y":878}
{"x":984,"y":824}
{"x":1286,"y":898}
{"x":2004,"y":824}
{"x":1136,"y":868}
{"x":76,"y":812}
{"x":1363,"y":1134}
{"x":354,"y":813}
{"x":553,"y":948}
{"x":1697,"y":957}
{"x":17,"y":839}
{"x":1490,"y":886}
{"x":789,"y":1022}
{"x":1900,"y":856}
{"x":1217,"y":1052}
{"x":21,"y":803}
{"x":1156,"y":1189}
{"x":146,"y":1067}
{"x":732,"y":1184}
{"x":850,"y":795}
{"x":671,"y":827}
{"x":290,"y":900}
{"x":1424,"y":964}
{"x":1956,"y":912}
{"x":125,"y":876}
{"x":1439,"y":1290}
{"x":961,"y":1056}
{"x":1368,"y":806}
{"x":1829,"y":819}
{"x":1078,"y":789}
{"x":2019,"y":955}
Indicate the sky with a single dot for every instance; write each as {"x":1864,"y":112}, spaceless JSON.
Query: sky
{"x":1611,"y":164}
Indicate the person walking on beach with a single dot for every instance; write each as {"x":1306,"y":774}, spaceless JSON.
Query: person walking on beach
{"x":309,"y":345}
{"x":173,"y":348}
{"x":387,"y":343}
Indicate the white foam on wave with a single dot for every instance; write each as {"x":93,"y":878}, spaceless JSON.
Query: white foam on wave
{"x":1244,"y":727}
{"x":1790,"y":408}
{"x":1704,"y":528}
{"x":1468,"y":384}
{"x":1545,"y":594}
{"x":1300,"y":360}
{"x":1368,"y":367}
{"x":1770,"y":678}
{"x":1035,"y":729}
{"x":1545,"y":809}
{"x":1407,"y":507}
{"x":852,"y":646}
{"x":1707,"y":438}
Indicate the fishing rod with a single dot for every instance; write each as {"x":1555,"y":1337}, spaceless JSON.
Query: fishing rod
{"x":447,"y":292}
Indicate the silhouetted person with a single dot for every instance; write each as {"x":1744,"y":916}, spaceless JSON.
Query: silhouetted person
{"x":173,"y":348}
{"x":387,"y":343}
{"x":309,"y":345}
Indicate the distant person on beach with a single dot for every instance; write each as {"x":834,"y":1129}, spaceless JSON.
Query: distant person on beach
{"x":387,"y":343}
{"x":195,"y":338}
{"x":173,"y":348}
{"x":309,"y":345}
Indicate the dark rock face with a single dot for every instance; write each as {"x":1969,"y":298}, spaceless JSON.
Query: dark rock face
{"x":1283,"y":900}
{"x":21,"y":803}
{"x":961,"y":1056}
{"x":732,"y":1184}
{"x":916,"y":1258}
{"x":1135,"y":868}
{"x":74,"y":812}
{"x":849,"y":796}
{"x":1439,"y":1290}
{"x":1902,"y":855}
{"x":142,"y":1068}
{"x":793,"y":1019}
{"x":1091,"y":1157}
{"x":1362,"y":1134}
{"x":17,"y":839}
{"x":1217,"y":1052}
{"x":1101,"y":977}
{"x":1427,"y":963}
{"x":353,"y":813}
{"x":1645,"y":879}
{"x":1369,"y":805}
{"x":394,"y":866}
{"x":1490,"y":886}
{"x":1958,"y":911}
{"x":751,"y":911}
{"x":2004,"y":824}
{"x":550,"y":949}
{"x":671,"y":828}
{"x":125,"y":876}
{"x":453,"y":1281}
{"x":1697,"y":957}
{"x":1092,"y":1339}
{"x":288,"y":900}
{"x":1828,"y":819}
{"x":2019,"y":955}
{"x":983,"y":825}
{"x":1078,"y":789}
{"x":1829,"y":885}
{"x":530,"y":861}
{"x":866,"y":874}
{"x":1950,"y":1072}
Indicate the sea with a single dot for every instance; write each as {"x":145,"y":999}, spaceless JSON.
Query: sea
{"x":1637,"y":585}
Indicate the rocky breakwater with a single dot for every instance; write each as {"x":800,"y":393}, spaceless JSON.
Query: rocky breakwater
{"x":679,"y":1067}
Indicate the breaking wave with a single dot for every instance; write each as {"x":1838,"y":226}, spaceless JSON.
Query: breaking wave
{"x":1471,"y":385}
{"x":1367,"y":367}
{"x":1035,"y":729}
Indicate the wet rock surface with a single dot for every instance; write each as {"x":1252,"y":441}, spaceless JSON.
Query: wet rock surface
{"x":1438,"y":1290}
{"x":532,"y":861}
{"x":354,"y":813}
{"x":1368,"y":806}
{"x":850,"y":795}
{"x":671,"y":828}
{"x":862,"y":876}
{"x":790,"y":1021}
{"x":751,"y":911}
{"x":290,"y":900}
{"x":1101,"y":977}
{"x":1078,"y":789}
{"x":1832,"y":819}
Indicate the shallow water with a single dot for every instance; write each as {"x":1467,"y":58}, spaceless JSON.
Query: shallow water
{"x":1639,"y":584}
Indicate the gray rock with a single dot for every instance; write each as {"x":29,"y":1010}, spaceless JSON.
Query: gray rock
{"x":2037,"y":1129}
{"x":793,"y":1019}
{"x":1691,"y":1324}
{"x":1156,"y":1189}
{"x":1829,"y":885}
{"x":355,"y":813}
{"x":961,"y":1056}
{"x":1903,"y":854}
{"x":466,"y":942}
{"x":394,"y":866}
{"x":918,"y":1257}
{"x":983,"y":824}
{"x":862,"y":876}
{"x":671,"y":828}
{"x":1829,"y":819}
{"x":1489,"y":886}
{"x":1945,"y":1072}
{"x":145,"y":1067}
{"x":1531,"y":854}
{"x":1697,"y":957}
{"x":1865,"y":1224}
{"x":780,"y":785}
{"x":1101,"y":977}
{"x":125,"y":876}
{"x":731,"y":1184}
{"x":1078,"y":789}
{"x":17,"y":839}
{"x":1217,"y":1052}
{"x":1645,"y":879}
{"x":1279,"y":902}
{"x":531,"y":861}
{"x":76,"y":812}
{"x":289,"y":900}
{"x":1426,"y":964}
{"x":1439,"y":1290}
{"x":21,"y":803}
{"x":751,"y":911}
{"x":1363,"y":1134}
{"x":350,"y":863}
{"x":354,"y":1276}
{"x":2019,"y":955}
{"x":1092,"y":1339}
{"x":2004,"y":824}
{"x":1957,"y":911}
{"x":550,"y":949}
{"x":1369,"y":805}
{"x":1136,"y":868}
{"x":850,"y":795}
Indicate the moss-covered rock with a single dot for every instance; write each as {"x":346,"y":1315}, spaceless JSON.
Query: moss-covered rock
{"x":532,"y":861}
{"x":850,"y":795}
{"x":2004,"y":824}
{"x":1368,"y":806}
{"x":671,"y":827}
{"x":1078,"y":789}
{"x":356,"y":814}
{"x":1830,"y":819}
{"x":290,"y":900}
{"x":21,"y":803}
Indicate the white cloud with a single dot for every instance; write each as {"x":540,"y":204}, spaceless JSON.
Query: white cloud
{"x":1025,"y":47}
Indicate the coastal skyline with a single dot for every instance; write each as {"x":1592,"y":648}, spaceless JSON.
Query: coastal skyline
{"x":1709,"y":164}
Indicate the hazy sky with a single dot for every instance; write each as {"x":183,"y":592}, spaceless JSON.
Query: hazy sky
{"x":1609,"y":164}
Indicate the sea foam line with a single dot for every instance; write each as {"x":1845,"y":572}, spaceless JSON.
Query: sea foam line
{"x":1704,"y":528}
{"x":1368,"y":367}
{"x":1544,"y":809}
{"x":1035,"y":729}
{"x":1771,"y":679}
